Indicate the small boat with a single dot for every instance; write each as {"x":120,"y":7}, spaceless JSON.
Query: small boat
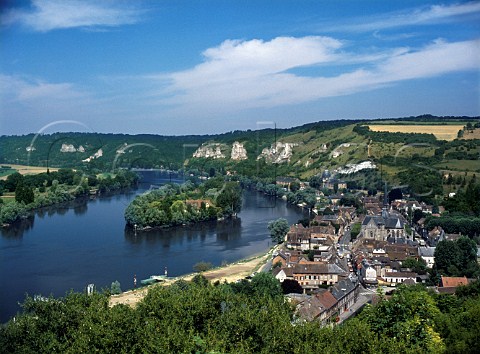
{"x":153,"y":279}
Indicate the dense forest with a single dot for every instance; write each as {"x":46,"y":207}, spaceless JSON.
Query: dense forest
{"x":245,"y":317}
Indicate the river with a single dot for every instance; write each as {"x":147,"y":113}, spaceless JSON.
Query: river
{"x":68,"y":247}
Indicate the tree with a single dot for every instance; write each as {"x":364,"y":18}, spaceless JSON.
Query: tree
{"x":447,"y":258}
{"x":13,"y":181}
{"x":24,"y":194}
{"x":230,"y":198}
{"x":278,"y":229}
{"x":418,"y":266}
{"x":294,"y":186}
{"x":202,"y":266}
{"x":291,"y":286}
{"x":265,"y":284}
{"x":457,"y":258}
{"x":115,"y":287}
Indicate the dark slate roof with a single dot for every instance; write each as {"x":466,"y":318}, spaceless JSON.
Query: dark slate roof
{"x":392,"y":222}
{"x":314,"y":268}
{"x":343,"y":288}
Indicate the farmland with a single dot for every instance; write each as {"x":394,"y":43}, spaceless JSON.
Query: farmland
{"x":441,"y":132}
{"x":24,"y":170}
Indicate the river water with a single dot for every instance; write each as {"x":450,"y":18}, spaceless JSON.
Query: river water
{"x":68,"y":247}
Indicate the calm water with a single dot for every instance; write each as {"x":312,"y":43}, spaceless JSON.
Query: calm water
{"x":87,"y":242}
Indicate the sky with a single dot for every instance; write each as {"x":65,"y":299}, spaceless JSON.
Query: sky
{"x":207,"y":66}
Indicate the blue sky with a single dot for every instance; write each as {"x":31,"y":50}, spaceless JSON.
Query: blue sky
{"x":197,"y":67}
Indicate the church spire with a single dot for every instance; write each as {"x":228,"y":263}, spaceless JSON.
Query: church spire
{"x":385,"y":203}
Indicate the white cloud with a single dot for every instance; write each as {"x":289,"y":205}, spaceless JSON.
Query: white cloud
{"x":247,"y":74}
{"x":47,"y":15}
{"x":426,"y":15}
{"x":16,"y":89}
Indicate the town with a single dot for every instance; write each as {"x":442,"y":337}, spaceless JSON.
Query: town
{"x":342,"y":258}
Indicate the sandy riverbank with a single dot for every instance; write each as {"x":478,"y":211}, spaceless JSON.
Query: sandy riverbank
{"x":229,"y":273}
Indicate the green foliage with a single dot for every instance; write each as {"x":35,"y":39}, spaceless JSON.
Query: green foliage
{"x":455,"y":224}
{"x":246,"y":317}
{"x":409,"y":317}
{"x":24,"y":194}
{"x":419,"y":266}
{"x":387,"y":137}
{"x":202,"y":266}
{"x":278,"y":229}
{"x":423,"y":183}
{"x":355,"y":230}
{"x":115,"y":287}
{"x":11,"y":212}
{"x":466,"y":200}
{"x":291,"y":286}
{"x":457,"y":258}
{"x":168,"y":206}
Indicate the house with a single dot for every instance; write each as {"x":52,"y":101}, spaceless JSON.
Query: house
{"x":287,"y":257}
{"x":313,"y":274}
{"x":319,"y":307}
{"x":394,"y":278}
{"x":285,"y":182}
{"x":327,"y":305}
{"x":312,"y":238}
{"x":283,"y":273}
{"x":448,"y":285}
{"x":368,"y":275}
{"x":298,"y":238}
{"x":197,"y":203}
{"x":346,"y":292}
{"x":428,"y":255}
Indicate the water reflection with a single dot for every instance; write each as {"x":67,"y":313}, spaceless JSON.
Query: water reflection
{"x":17,"y":229}
{"x":224,"y":231}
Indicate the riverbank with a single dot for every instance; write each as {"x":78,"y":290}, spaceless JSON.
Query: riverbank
{"x":229,"y":273}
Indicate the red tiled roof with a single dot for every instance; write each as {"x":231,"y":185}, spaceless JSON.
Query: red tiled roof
{"x":327,"y":299}
{"x":454,"y":281}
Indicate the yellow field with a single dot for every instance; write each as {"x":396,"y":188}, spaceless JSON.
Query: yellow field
{"x":27,"y":170}
{"x":442,"y":132}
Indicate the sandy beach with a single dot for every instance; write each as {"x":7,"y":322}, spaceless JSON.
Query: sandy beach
{"x":229,"y":273}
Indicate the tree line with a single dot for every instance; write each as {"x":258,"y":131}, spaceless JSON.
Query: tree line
{"x":49,"y":188}
{"x":245,"y":317}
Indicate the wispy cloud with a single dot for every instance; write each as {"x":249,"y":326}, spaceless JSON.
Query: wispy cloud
{"x":420,"y":16}
{"x":47,"y":15}
{"x":18,"y":89}
{"x":247,"y":74}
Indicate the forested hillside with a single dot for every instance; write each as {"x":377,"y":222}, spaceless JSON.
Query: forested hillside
{"x":312,"y":149}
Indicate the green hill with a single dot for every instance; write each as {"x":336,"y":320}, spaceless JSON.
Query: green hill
{"x":307,"y":150}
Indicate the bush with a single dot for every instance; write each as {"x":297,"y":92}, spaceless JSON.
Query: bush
{"x":202,"y":266}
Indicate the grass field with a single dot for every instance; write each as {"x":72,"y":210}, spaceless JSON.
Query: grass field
{"x":441,"y":132}
{"x":460,"y":165}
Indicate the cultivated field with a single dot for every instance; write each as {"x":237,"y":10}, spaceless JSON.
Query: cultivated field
{"x":441,"y":132}
{"x":27,"y":170}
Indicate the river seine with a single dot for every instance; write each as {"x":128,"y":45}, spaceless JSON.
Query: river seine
{"x":68,"y":247}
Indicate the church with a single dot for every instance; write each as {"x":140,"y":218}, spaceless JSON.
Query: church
{"x":383,"y":227}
